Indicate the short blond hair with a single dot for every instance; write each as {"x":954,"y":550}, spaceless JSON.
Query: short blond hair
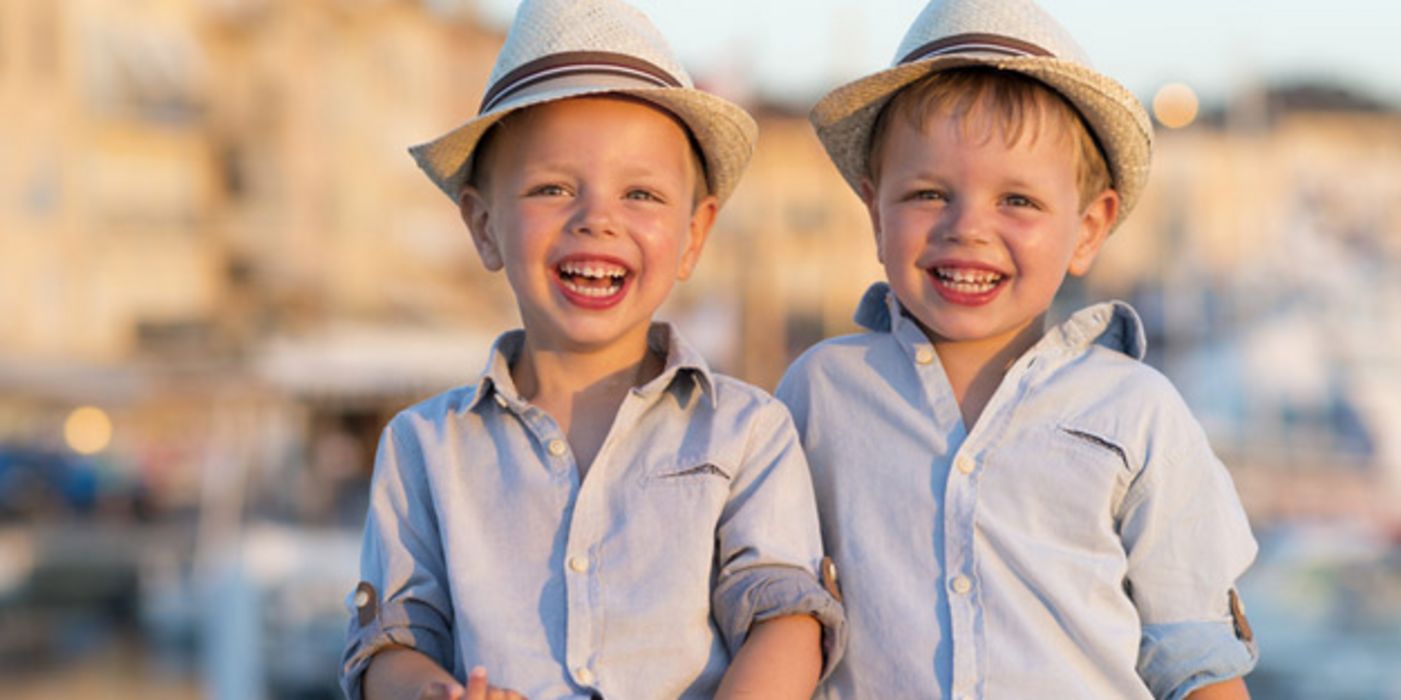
{"x":1016,"y":104}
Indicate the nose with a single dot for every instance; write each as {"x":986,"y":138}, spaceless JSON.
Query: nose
{"x":594,"y":215}
{"x":964,"y":223}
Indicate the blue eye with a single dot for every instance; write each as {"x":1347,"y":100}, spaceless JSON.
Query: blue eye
{"x":642,"y":195}
{"x":928,"y":195}
{"x":550,"y":190}
{"x":1017,"y":200}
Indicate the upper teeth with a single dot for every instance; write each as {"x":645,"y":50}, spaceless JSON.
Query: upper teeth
{"x":592,"y":270}
{"x":968,"y":276}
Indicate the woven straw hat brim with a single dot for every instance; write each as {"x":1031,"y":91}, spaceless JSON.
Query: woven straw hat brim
{"x":725,"y":132}
{"x":845,"y":117}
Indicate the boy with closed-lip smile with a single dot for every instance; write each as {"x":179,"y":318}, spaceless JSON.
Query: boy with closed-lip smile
{"x":600,"y":515}
{"x":1018,"y":511}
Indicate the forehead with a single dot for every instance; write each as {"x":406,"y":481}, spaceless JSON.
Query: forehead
{"x":591,"y":119}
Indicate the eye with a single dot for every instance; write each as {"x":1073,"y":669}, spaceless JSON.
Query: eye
{"x":1017,"y":200}
{"x":548,"y":190}
{"x":642,"y":195}
{"x":927,"y":195}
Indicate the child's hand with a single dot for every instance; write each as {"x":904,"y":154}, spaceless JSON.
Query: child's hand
{"x":477,"y":689}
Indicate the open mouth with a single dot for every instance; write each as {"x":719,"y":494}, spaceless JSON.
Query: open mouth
{"x":592,"y":279}
{"x":966,"y":280}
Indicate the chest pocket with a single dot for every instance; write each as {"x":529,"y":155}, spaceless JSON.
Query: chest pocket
{"x":1063,"y":486}
{"x":686,"y":476}
{"x":687,"y":488}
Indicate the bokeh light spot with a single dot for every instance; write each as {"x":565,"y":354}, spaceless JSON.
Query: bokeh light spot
{"x":88,"y":430}
{"x":1175,"y":105}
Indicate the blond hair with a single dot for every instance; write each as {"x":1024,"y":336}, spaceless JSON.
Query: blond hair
{"x":1014,"y":103}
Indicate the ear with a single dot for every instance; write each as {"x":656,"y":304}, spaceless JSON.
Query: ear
{"x":1095,"y":223}
{"x":868,"y":197}
{"x":476,"y":213}
{"x":702,"y":218}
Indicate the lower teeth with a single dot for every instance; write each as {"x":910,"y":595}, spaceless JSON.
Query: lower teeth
{"x":610,"y":290}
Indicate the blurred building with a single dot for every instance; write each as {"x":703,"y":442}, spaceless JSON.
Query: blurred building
{"x":1266,"y":258}
{"x":209,"y":200}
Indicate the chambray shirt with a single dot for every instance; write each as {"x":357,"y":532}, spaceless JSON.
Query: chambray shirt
{"x":1081,"y":542}
{"x":482,"y":546}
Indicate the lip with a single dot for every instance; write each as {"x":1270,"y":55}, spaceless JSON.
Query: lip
{"x":964,"y":297}
{"x":586,"y":301}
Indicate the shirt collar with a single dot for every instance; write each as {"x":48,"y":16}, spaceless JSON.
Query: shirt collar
{"x":495,"y":381}
{"x":682,"y":360}
{"x":1113,"y":324}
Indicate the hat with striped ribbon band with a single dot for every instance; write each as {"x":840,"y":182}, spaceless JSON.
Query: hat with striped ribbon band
{"x":558,"y":49}
{"x":1015,"y":35}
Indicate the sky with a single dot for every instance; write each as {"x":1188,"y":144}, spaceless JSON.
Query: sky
{"x":795,"y":50}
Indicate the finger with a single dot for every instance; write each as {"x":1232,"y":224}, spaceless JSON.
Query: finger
{"x":441,"y":691}
{"x":476,"y":685}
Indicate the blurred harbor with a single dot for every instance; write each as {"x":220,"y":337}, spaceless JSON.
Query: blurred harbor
{"x":220,"y":274}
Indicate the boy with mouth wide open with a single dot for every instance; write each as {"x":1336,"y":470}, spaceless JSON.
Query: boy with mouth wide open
{"x":1018,"y":511}
{"x":600,"y":515}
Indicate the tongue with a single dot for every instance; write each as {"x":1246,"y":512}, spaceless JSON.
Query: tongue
{"x":593,"y":282}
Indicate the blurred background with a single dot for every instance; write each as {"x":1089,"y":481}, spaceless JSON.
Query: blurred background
{"x":220,"y":274}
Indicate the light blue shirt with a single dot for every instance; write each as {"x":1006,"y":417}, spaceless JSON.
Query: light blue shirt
{"x":1080,"y":542}
{"x":482,"y":546}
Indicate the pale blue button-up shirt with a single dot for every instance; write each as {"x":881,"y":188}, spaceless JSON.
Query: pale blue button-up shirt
{"x":482,"y":546}
{"x":1081,"y":542}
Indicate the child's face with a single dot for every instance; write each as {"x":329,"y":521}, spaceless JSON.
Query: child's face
{"x":589,"y":206}
{"x":976,"y":235}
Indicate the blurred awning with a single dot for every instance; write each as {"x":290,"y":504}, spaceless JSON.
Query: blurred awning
{"x":354,"y":362}
{"x":71,"y":381}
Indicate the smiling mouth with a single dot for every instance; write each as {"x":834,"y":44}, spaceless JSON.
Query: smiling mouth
{"x":967,"y":281}
{"x":592,"y":279}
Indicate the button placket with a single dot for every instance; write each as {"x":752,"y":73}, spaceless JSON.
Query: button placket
{"x":960,"y":504}
{"x":583,"y":675}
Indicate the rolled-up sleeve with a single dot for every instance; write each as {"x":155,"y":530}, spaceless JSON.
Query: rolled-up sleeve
{"x":402,"y":599}
{"x":1187,"y":540}
{"x":768,"y":543}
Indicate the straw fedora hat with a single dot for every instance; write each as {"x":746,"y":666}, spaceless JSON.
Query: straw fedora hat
{"x":1014,"y":35}
{"x":557,"y":49}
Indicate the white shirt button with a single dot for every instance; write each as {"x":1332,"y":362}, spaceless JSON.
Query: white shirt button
{"x":362,"y":598}
{"x":583,"y":675}
{"x":924,"y":356}
{"x":579,"y":564}
{"x":965,"y":464}
{"x":557,"y":447}
{"x":961,"y":585}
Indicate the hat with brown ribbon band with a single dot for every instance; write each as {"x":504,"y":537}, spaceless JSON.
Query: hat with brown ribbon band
{"x":558,"y":49}
{"x":1014,"y":35}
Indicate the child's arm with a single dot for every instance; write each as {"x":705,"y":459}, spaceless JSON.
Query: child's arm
{"x":781,"y":658}
{"x":1233,"y":689}
{"x":784,"y":630}
{"x":400,"y":672}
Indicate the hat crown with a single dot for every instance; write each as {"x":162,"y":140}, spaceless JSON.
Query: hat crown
{"x":1022,"y":21}
{"x":550,"y":27}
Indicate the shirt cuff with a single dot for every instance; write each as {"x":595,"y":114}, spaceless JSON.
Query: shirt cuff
{"x":1176,"y":659}
{"x":376,"y":625}
{"x":762,"y":593}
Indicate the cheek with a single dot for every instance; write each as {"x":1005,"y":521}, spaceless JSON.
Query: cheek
{"x":664,"y":239}
{"x":901,"y":242}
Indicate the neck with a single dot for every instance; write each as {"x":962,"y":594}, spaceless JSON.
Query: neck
{"x":583,"y":390}
{"x":975,"y":368}
{"x":541,"y":372}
